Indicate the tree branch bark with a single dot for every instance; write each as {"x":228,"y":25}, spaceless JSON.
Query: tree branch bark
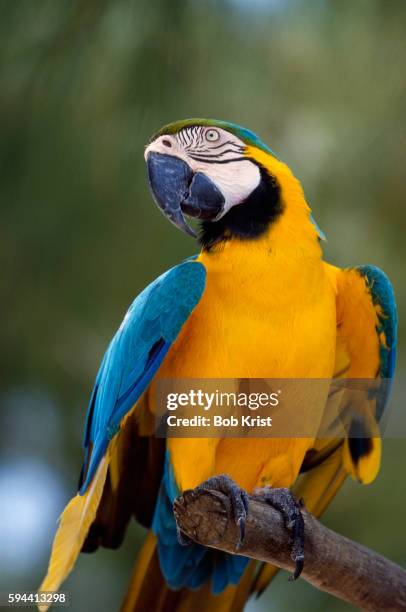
{"x":333,"y":563}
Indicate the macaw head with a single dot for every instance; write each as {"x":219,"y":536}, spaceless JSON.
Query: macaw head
{"x":219,"y":173}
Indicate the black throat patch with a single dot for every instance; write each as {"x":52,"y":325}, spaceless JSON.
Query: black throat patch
{"x":247,"y":220}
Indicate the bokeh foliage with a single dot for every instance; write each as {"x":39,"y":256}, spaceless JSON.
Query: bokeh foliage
{"x":83,"y":86}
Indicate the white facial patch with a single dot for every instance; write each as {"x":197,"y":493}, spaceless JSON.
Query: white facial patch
{"x":216,"y":153}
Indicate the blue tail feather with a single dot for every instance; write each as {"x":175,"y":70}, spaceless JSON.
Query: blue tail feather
{"x":189,"y":566}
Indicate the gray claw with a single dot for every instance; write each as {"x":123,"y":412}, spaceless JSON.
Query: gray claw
{"x":290,"y":509}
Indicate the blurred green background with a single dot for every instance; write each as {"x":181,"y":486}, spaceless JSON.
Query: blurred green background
{"x":83,"y":86}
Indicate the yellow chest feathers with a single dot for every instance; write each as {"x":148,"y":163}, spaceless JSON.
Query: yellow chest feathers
{"x":264,"y":313}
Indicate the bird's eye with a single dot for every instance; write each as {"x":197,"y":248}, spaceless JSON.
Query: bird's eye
{"x":212,"y":135}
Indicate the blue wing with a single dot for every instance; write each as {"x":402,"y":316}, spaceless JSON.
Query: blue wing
{"x":147,"y":332}
{"x":382,"y":295}
{"x":383,"y":299}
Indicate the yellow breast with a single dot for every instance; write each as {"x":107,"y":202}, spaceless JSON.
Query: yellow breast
{"x":258,"y":321}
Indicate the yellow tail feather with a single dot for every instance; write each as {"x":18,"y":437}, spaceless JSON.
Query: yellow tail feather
{"x":149,"y":591}
{"x":74,"y":525}
{"x":366,"y":467}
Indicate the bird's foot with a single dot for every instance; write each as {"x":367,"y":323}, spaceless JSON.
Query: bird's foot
{"x":238,"y":497}
{"x":290,"y":509}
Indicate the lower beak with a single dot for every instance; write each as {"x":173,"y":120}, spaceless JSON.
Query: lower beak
{"x":177,"y":190}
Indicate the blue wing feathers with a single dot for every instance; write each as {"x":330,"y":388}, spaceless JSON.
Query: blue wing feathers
{"x":382,"y":295}
{"x":133,"y":357}
{"x":136,"y":352}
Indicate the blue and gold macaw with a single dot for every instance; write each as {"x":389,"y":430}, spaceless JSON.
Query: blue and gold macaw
{"x":257,"y":302}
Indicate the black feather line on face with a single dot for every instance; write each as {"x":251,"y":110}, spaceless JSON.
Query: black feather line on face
{"x":248,"y":220}
{"x":213,"y":155}
{"x":210,"y":160}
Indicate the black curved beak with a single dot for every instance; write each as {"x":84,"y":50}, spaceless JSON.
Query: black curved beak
{"x":177,"y":190}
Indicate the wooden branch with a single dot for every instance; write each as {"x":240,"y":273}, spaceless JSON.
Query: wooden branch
{"x":333,"y":563}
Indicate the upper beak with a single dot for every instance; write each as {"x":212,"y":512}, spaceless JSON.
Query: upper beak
{"x":176,"y":189}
